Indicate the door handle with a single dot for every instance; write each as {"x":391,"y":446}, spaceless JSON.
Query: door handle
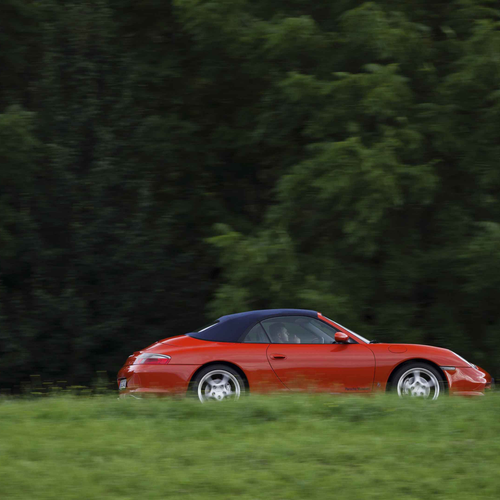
{"x":278,"y":356}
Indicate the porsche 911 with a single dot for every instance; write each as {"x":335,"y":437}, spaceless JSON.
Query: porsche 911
{"x":293,"y":350}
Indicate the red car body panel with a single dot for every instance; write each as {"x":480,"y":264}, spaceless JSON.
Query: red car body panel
{"x":464,"y":378}
{"x":328,"y":367}
{"x":269,"y":367}
{"x":174,"y":377}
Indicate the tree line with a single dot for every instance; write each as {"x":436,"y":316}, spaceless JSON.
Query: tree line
{"x":163,"y":163}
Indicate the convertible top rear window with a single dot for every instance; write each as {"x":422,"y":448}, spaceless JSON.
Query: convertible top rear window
{"x":206,"y":327}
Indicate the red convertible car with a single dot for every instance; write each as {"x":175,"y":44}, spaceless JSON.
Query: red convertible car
{"x":293,"y":350}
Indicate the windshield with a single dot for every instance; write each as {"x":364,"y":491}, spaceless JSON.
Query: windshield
{"x":350,"y":331}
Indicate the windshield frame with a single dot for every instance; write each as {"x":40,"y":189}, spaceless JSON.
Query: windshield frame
{"x":357,"y":335}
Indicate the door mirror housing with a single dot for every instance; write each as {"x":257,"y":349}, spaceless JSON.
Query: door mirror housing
{"x":341,"y":338}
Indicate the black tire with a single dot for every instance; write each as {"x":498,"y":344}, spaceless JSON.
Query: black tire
{"x":418,"y":379}
{"x":214,"y":385}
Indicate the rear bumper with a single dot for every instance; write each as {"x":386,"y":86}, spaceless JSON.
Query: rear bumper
{"x":153,"y":380}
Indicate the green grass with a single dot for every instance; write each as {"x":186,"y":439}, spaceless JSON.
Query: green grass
{"x":300,"y":447}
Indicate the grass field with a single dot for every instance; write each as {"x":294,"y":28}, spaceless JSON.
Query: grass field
{"x":300,"y":447}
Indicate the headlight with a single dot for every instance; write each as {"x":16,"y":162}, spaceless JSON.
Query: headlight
{"x":464,"y":360}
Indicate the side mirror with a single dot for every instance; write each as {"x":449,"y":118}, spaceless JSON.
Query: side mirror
{"x":341,"y":338}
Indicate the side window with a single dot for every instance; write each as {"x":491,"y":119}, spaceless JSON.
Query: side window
{"x":326,"y":329}
{"x":298,"y":330}
{"x":256,"y":336}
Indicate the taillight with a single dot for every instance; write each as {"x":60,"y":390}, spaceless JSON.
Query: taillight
{"x":152,"y":359}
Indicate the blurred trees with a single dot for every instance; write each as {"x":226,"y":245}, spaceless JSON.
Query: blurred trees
{"x":165,"y":161}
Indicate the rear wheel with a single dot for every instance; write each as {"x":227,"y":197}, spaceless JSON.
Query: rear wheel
{"x":217,"y":383}
{"x":419,"y":380}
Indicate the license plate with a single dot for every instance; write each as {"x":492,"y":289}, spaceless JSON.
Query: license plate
{"x":123,"y":384}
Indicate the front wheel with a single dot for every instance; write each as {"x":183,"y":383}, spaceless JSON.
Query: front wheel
{"x":218,"y":383}
{"x":418,"y":380}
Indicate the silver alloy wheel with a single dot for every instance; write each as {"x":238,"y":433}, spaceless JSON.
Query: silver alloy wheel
{"x":418,"y":382}
{"x":218,"y":385}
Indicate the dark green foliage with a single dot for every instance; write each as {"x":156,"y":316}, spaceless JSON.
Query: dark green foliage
{"x":161,"y":162}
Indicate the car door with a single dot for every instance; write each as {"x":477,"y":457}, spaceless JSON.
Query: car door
{"x":307,"y":357}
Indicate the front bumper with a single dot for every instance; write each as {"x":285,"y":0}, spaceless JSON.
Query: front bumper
{"x":468,"y":381}
{"x":491,"y":385}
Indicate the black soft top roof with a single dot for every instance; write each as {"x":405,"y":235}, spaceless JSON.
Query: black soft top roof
{"x":231,"y":328}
